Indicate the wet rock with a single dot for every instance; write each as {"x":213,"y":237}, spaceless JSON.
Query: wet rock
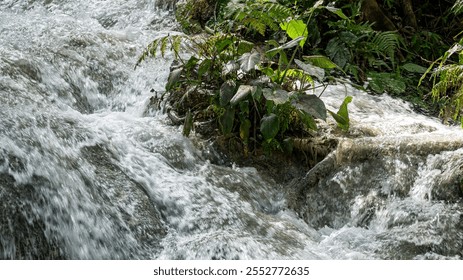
{"x":144,"y":219}
{"x":23,"y":234}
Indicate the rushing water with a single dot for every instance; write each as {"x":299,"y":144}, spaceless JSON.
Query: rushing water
{"x":85,"y":173}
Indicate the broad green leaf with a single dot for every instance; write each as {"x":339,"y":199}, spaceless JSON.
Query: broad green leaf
{"x":312,"y":105}
{"x":269,"y":126}
{"x":288,"y":145}
{"x":320,"y":61}
{"x":223,"y":43}
{"x":337,"y":12}
{"x":311,"y":69}
{"x":244,"y":47}
{"x":342,"y":116}
{"x":337,"y":50}
{"x":191,"y":63}
{"x":343,"y":123}
{"x":294,"y":29}
{"x":343,"y":112}
{"x":278,"y":96}
{"x":307,"y":120}
{"x":226,"y":121}
{"x":242,"y":92}
{"x":414,"y":68}
{"x":227,"y":91}
{"x":174,"y":76}
{"x":204,"y":67}
{"x":248,"y":61}
{"x":288,"y":45}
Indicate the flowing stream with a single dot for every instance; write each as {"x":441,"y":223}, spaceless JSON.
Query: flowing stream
{"x":86,"y":173}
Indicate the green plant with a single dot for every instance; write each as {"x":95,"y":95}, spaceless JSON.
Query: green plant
{"x":447,"y":79}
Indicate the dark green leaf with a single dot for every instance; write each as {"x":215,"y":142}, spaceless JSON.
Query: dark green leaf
{"x":191,"y":63}
{"x":226,"y":121}
{"x":269,"y":126}
{"x":278,"y":96}
{"x":311,"y":69}
{"x":320,"y":61}
{"x":312,"y":105}
{"x":244,"y":47}
{"x":307,"y":120}
{"x":414,"y":68}
{"x":242,"y":92}
{"x":223,"y":43}
{"x":227,"y":91}
{"x":204,"y":67}
{"x":288,"y":145}
{"x":338,"y":52}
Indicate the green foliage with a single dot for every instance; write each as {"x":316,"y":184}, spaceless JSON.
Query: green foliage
{"x":296,"y":29}
{"x":447,"y":88}
{"x":342,"y":116}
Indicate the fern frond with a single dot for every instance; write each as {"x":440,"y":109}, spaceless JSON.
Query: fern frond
{"x":256,"y":24}
{"x":277,"y":11}
{"x":386,"y":42}
{"x":161,"y":44}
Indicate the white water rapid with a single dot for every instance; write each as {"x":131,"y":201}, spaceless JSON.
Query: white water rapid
{"x":85,"y":174}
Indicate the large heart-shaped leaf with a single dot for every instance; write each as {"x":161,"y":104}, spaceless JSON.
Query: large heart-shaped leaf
{"x":242,"y":92}
{"x":312,"y":105}
{"x":248,"y":61}
{"x":269,"y":126}
{"x":279,"y":96}
{"x":295,"y":28}
{"x":227,"y":91}
{"x":312,"y":70}
{"x":226,"y":121}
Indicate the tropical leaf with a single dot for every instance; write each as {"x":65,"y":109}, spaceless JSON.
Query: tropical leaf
{"x":295,"y":29}
{"x":414,"y":68}
{"x":320,"y":61}
{"x":227,"y":91}
{"x":249,"y":61}
{"x":226,"y":121}
{"x":337,"y":50}
{"x":312,"y":105}
{"x":311,"y":69}
{"x":242,"y":92}
{"x":278,"y":96}
{"x":269,"y":126}
{"x":342,"y":116}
